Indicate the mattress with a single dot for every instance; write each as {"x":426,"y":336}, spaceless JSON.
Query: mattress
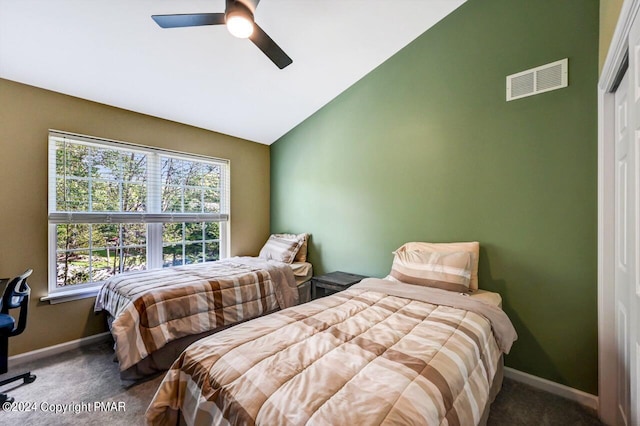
{"x":153,"y":308}
{"x":436,"y":355}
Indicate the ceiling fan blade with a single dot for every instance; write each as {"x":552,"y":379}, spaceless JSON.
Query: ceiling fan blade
{"x":269,"y":47}
{"x":189,"y":20}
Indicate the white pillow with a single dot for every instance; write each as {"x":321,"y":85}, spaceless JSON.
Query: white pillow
{"x":444,"y":270}
{"x":280,"y":249}
{"x":471,"y":247}
{"x":301,"y":256}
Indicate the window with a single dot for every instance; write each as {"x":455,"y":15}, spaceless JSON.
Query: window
{"x":116,"y":207}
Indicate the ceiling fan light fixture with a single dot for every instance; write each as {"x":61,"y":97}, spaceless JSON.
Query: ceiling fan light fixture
{"x":239,"y":19}
{"x":239,"y":25}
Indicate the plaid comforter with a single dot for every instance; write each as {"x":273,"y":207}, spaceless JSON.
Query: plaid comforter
{"x":362,"y":356}
{"x":153,"y":308}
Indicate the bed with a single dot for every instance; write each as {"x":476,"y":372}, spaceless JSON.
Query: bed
{"x":381,"y":352}
{"x":153,"y":315}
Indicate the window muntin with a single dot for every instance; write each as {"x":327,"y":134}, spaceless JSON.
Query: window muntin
{"x":116,"y":207}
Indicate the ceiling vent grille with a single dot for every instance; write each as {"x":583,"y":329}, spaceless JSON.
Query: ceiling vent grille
{"x":538,"y":80}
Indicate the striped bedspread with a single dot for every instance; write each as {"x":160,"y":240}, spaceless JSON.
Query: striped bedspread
{"x":362,"y":356}
{"x":153,"y":308}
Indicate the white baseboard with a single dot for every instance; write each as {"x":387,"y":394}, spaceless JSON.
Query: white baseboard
{"x":583,"y":398}
{"x":17,"y":360}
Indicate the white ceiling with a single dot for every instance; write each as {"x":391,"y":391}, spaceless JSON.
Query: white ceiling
{"x":112,"y":52}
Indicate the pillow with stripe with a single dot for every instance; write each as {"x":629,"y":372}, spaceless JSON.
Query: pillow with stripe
{"x":472,"y":247}
{"x":444,"y":270}
{"x":280,"y":249}
{"x":301,"y":256}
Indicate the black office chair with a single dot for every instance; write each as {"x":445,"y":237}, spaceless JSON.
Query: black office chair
{"x":16,"y":295}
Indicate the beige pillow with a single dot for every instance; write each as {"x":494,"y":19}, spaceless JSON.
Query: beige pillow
{"x":280,"y":249}
{"x":445,"y":270}
{"x":471,"y":247}
{"x":301,"y":256}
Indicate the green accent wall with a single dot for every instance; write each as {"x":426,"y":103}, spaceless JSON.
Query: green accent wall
{"x":425,"y":148}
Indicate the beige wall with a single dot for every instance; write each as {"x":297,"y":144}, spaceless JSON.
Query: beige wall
{"x":609,"y":13}
{"x":26,"y":114}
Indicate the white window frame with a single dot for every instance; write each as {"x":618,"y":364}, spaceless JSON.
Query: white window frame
{"x":153,"y":217}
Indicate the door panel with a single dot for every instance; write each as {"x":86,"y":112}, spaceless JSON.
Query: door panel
{"x":624,"y":261}
{"x":633,"y":291}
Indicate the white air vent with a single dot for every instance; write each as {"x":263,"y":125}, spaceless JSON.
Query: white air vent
{"x":538,"y":80}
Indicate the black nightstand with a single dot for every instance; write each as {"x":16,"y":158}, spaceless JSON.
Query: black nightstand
{"x":333,"y":282}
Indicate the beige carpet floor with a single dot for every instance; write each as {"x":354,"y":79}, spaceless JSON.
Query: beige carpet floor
{"x":82,"y":387}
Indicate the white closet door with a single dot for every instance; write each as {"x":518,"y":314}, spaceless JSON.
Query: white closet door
{"x":623,"y":256}
{"x":633,"y":290}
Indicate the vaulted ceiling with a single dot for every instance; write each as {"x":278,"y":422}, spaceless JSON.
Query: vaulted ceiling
{"x":112,"y":52}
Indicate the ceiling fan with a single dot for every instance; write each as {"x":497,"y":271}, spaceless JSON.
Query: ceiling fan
{"x":238,"y":18}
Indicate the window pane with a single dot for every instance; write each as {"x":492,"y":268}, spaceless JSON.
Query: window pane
{"x":134,"y":234}
{"x":90,"y":253}
{"x":193,"y":253}
{"x":110,"y":261}
{"x":134,"y":197}
{"x":134,"y":167}
{"x":171,"y":199}
{"x":116,"y":260}
{"x":192,"y":200}
{"x":190,"y":186}
{"x":194,"y":173}
{"x":211,"y":200}
{"x":193,"y":231}
{"x":105,"y":164}
{"x":103,"y":263}
{"x":211,"y":177}
{"x":107,"y":260}
{"x":72,"y":160}
{"x":72,"y":237}
{"x":75,"y":195}
{"x":212,"y":251}
{"x":212,"y":231}
{"x":105,"y":196}
{"x":72,"y":268}
{"x":134,"y":259}
{"x":172,"y":172}
{"x":172,"y":233}
{"x":172,"y":255}
{"x":105,"y":235}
